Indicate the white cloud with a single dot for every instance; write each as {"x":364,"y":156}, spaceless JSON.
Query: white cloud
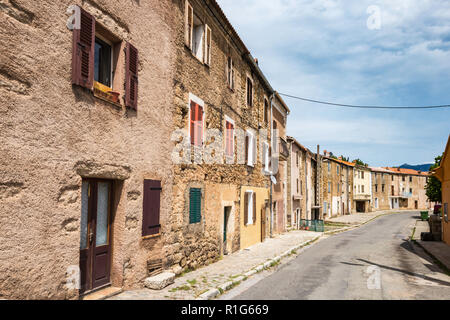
{"x":322,"y":49}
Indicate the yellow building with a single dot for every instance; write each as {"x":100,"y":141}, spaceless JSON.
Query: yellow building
{"x":443,"y":174}
{"x":254,"y":215}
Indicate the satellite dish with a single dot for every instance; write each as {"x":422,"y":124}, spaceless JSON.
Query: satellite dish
{"x":274,"y":181}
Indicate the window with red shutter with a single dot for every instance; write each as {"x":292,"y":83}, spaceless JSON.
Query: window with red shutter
{"x":196,"y":124}
{"x":131,"y":75}
{"x":151,"y":208}
{"x":229,"y":134}
{"x":83,"y":51}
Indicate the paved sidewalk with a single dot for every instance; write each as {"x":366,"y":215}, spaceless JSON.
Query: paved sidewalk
{"x":232,"y":268}
{"x":437,"y":249}
{"x":360,"y":218}
{"x":421,"y":226}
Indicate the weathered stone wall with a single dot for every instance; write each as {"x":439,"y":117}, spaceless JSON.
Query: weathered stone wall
{"x":198,"y":244}
{"x":53,"y":134}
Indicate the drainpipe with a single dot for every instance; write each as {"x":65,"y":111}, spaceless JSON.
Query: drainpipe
{"x":271,"y":137}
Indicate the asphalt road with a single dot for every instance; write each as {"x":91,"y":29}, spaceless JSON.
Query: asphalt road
{"x":375,"y":261}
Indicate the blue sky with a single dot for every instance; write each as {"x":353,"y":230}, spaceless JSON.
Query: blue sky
{"x":324,"y":50}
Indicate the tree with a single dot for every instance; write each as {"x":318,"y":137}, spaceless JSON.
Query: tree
{"x":360,"y":162}
{"x":433,"y":187}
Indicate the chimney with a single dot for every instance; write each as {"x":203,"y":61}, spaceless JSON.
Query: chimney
{"x":256,"y":61}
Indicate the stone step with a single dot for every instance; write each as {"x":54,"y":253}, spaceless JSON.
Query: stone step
{"x":160,"y":281}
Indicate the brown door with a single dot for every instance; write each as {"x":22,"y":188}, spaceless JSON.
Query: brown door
{"x":416,"y":204}
{"x":95,"y":240}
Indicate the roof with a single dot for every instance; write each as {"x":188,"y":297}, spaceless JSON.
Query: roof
{"x":407,"y":171}
{"x":350,"y":164}
{"x":289,"y":138}
{"x":380,"y":169}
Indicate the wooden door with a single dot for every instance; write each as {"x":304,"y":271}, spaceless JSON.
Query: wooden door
{"x":95,"y":240}
{"x":263,"y":223}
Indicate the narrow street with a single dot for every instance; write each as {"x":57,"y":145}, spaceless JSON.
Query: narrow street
{"x":375,"y":261}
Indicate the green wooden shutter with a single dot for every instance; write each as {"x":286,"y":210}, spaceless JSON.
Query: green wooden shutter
{"x":195,"y":205}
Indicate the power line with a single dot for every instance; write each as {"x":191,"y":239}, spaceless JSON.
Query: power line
{"x":362,"y":107}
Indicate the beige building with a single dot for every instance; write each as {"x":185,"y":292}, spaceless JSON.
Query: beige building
{"x":86,"y":176}
{"x":407,"y":189}
{"x":337,"y":186}
{"x":280,"y":149}
{"x":362,"y":189}
{"x":381,"y":181}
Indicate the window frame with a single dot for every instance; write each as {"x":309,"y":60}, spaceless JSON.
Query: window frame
{"x":231,"y":121}
{"x":201,"y":103}
{"x":249,"y":80}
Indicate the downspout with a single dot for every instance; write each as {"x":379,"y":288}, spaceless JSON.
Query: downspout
{"x":271,"y":136}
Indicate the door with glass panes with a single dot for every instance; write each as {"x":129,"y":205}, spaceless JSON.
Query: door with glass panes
{"x":95,"y":240}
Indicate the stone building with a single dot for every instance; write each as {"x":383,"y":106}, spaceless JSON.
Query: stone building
{"x":279,"y":113}
{"x":222,"y":126}
{"x":407,"y":189}
{"x":136,"y":139}
{"x":381,"y":181}
{"x":296,"y":184}
{"x":362,"y":189}
{"x":86,"y":175}
{"x":337,"y":186}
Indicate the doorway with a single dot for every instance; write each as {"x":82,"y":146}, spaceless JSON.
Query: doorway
{"x":95,"y":240}
{"x":416,"y":204}
{"x":226,"y":221}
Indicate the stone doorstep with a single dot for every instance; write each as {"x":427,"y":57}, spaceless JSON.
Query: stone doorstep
{"x":102,"y":294}
{"x":160,"y":281}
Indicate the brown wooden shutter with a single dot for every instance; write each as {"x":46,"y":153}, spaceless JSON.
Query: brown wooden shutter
{"x":254,"y":208}
{"x":83,"y":51}
{"x":151,"y":207}
{"x":207,"y":57}
{"x":189,"y":24}
{"x":246,"y":208}
{"x":131,"y":75}
{"x":247,"y":144}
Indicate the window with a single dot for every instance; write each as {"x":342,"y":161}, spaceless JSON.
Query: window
{"x":337,"y":169}
{"x":95,"y":57}
{"x":382,"y":188}
{"x":196,"y":116}
{"x":362,"y":174}
{"x":362,"y":189}
{"x":195,"y":205}
{"x":249,"y":92}
{"x":230,"y":73}
{"x":410,"y":179}
{"x":151,"y":207}
{"x":249,"y":208}
{"x":376,"y":188}
{"x":298,"y":186}
{"x":301,"y":188}
{"x":410,"y":190}
{"x":392,"y":190}
{"x":266,"y":111}
{"x":250,"y":148}
{"x":329,"y":187}
{"x":103,"y":62}
{"x":325,"y":207}
{"x":403,"y":178}
{"x":296,"y":159}
{"x":376,"y":202}
{"x":229,"y":137}
{"x":392,"y":178}
{"x":338,"y":187}
{"x":329,"y":167}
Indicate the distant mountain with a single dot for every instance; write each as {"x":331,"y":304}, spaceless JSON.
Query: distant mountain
{"x":419,"y":167}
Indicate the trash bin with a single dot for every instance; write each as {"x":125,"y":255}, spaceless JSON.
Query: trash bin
{"x":424,"y":215}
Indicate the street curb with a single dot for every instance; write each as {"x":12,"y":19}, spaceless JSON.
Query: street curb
{"x":214,"y":292}
{"x":440,"y":263}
